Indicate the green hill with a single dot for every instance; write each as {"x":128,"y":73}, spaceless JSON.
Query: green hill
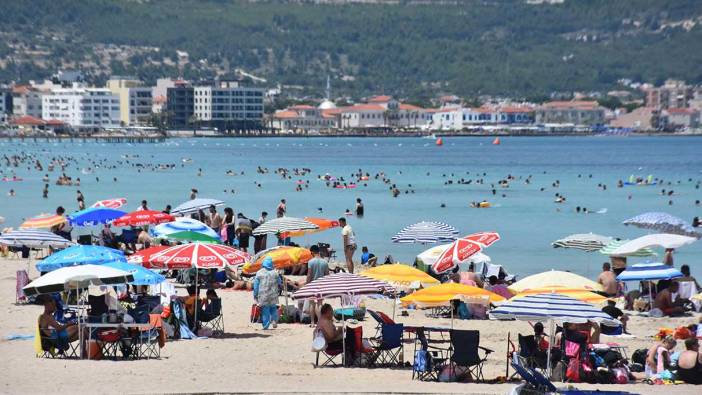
{"x":407,"y":49}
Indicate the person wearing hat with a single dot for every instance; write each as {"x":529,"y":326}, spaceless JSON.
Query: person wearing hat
{"x":266,"y":289}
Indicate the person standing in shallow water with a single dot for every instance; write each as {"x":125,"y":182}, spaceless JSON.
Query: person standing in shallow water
{"x":360,"y":209}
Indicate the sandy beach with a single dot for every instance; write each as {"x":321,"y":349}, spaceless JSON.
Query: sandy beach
{"x":248,"y":359}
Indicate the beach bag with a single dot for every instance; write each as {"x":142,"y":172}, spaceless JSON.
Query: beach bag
{"x":223,"y":234}
{"x":319,"y":343}
{"x":422,"y":361}
{"x":573,"y":370}
{"x":572,"y":349}
{"x":255,"y":313}
{"x":620,"y":376}
{"x":639,"y":356}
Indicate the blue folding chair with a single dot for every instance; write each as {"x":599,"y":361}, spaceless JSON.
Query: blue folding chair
{"x":389,"y":348}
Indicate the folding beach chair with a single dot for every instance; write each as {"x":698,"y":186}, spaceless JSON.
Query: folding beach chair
{"x":429,"y":358}
{"x":388,"y":351}
{"x":380,"y":318}
{"x":330,"y":355}
{"x":110,"y":341}
{"x":213,"y":318}
{"x":528,"y":352}
{"x":146,"y":343}
{"x":466,"y":346}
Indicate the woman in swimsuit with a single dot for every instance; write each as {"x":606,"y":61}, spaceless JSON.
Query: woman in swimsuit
{"x":690,"y":363}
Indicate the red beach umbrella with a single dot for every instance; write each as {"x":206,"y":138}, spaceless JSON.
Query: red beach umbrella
{"x":462,"y":249}
{"x":143,"y":217}
{"x":110,"y":203}
{"x":141,"y":256}
{"x":198,"y":255}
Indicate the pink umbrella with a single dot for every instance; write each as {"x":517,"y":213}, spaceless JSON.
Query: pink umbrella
{"x":462,"y":249}
{"x":110,"y":203}
{"x":143,"y":217}
{"x":198,"y":255}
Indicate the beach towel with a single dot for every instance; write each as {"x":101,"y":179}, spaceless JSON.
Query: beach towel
{"x":179,"y":318}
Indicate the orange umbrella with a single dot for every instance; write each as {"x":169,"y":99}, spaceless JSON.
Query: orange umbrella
{"x":322,"y":223}
{"x":283,"y":257}
{"x":43,"y":221}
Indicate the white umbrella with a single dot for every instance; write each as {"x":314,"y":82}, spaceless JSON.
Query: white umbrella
{"x":615,"y":244}
{"x":33,"y":238}
{"x":76,"y":277}
{"x":283,"y":225}
{"x":583,"y":241}
{"x":665,"y":240}
{"x":195,"y":205}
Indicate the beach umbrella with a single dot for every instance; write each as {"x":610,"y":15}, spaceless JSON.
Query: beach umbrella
{"x":552,"y":308}
{"x":80,"y":255}
{"x":665,"y":240}
{"x":444,"y":294}
{"x":664,"y":223}
{"x":195,"y":205}
{"x":284,"y":225}
{"x":283,"y":257}
{"x":141,"y":256}
{"x":649,"y":272}
{"x":554,"y":277}
{"x":196,"y":255}
{"x":143,"y":217}
{"x":426,"y":232}
{"x":610,"y":249}
{"x":43,"y":221}
{"x":33,"y":238}
{"x":322,"y":225}
{"x":430,"y":256}
{"x":583,"y":241}
{"x":185,"y":229}
{"x":582,"y":295}
{"x":110,"y":203}
{"x":142,"y":275}
{"x":94,"y":216}
{"x":76,"y":277}
{"x":342,"y":284}
{"x":399,"y":274}
{"x":462,"y":249}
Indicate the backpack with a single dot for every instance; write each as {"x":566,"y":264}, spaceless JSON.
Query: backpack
{"x":639,"y":356}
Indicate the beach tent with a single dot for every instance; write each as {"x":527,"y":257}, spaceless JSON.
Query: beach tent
{"x":80,"y":255}
{"x":462,"y":249}
{"x":554,"y":277}
{"x":665,"y":240}
{"x":43,"y":221}
{"x":195,"y":205}
{"x":284,"y":225}
{"x":664,"y":223}
{"x":588,"y":242}
{"x":426,"y":232}
{"x":552,"y":308}
{"x":94,"y":216}
{"x":649,"y":272}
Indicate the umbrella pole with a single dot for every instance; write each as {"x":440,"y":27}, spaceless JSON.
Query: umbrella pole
{"x":548,"y":352}
{"x":343,"y":331}
{"x":197,"y":299}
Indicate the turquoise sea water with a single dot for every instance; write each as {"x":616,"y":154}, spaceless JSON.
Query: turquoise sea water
{"x":527,"y":218}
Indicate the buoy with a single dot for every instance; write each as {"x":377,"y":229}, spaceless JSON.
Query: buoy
{"x":439,"y":141}
{"x":496,"y":141}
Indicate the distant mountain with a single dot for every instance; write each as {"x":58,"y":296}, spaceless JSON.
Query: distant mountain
{"x":407,"y":48}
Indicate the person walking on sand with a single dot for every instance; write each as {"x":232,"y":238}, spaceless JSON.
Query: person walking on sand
{"x":266,"y":288}
{"x":349,"y":241}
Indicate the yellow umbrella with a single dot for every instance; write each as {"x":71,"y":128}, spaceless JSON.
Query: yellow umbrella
{"x":283,"y":257}
{"x":399,"y":274}
{"x":442,"y":295}
{"x":43,"y":221}
{"x":554,"y":278}
{"x":577,"y":293}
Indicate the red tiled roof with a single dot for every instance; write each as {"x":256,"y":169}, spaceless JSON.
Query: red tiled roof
{"x":302,"y":107}
{"x":409,"y":107}
{"x":380,"y":99}
{"x":515,"y":109}
{"x":55,"y":122}
{"x":20,"y":89}
{"x":331,"y":112}
{"x":28,"y":120}
{"x":285,"y":114}
{"x":364,"y":107}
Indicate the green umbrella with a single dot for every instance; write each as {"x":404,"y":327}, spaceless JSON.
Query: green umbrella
{"x":192,"y":236}
{"x":609,"y":249}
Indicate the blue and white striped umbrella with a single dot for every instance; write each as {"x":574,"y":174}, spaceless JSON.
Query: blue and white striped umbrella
{"x":664,"y":223}
{"x":33,"y":238}
{"x":80,"y":255}
{"x":551,"y":307}
{"x":649,"y":272}
{"x":426,"y":232}
{"x":183,"y":224}
{"x":94,"y":216}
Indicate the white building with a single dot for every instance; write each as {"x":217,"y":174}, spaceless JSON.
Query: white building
{"x":227,"y":104}
{"x":304,"y":117}
{"x":84,"y":108}
{"x":26,"y":101}
{"x":135,"y":100}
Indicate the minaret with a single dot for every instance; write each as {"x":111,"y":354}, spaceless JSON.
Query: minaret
{"x":328,"y":90}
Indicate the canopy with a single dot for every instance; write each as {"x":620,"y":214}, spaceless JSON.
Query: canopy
{"x":426,"y":232}
{"x":195,"y":205}
{"x":649,"y":272}
{"x":610,"y":248}
{"x":199,"y":255}
{"x":583,"y":241}
{"x":551,"y":307}
{"x":554,"y":277}
{"x":342,"y":284}
{"x":80,"y":255}
{"x":665,"y":240}
{"x":284,"y":225}
{"x":185,"y":229}
{"x":141,"y":256}
{"x":110,"y":203}
{"x":76,"y":277}
{"x":283,"y":257}
{"x":143,"y":217}
{"x":33,"y":238}
{"x":399,"y":274}
{"x":142,"y":276}
{"x":442,"y":295}
{"x":322,"y":224}
{"x":43,"y":221}
{"x":582,"y":295}
{"x":94,"y":216}
{"x":664,"y":223}
{"x":462,"y":249}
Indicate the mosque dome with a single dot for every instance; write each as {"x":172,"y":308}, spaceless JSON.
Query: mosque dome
{"x":327,"y":105}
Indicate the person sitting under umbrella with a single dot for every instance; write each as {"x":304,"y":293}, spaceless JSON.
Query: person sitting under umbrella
{"x":58,"y":334}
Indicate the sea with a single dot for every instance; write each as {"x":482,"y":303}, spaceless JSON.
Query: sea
{"x":427,"y":175}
